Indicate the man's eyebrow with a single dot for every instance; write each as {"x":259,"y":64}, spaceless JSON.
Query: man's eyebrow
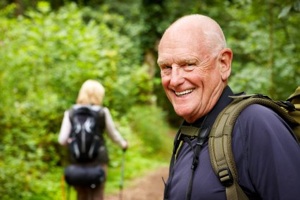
{"x":161,"y":62}
{"x":190,"y":60}
{"x":187,"y":61}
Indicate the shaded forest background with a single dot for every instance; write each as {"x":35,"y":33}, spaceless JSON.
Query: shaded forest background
{"x":49,"y":48}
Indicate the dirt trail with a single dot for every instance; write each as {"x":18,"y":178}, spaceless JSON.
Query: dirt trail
{"x":148,"y":187}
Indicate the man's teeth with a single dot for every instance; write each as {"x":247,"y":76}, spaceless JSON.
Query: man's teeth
{"x":183,"y":92}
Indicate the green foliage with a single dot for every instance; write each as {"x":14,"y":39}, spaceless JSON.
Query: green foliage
{"x":264,"y":48}
{"x":45,"y":57}
{"x":149,"y":123}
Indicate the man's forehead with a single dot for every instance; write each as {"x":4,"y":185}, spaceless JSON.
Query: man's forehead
{"x":182,"y":30}
{"x":183,"y":57}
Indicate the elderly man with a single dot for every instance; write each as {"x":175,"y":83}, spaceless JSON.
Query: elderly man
{"x":195,"y":66}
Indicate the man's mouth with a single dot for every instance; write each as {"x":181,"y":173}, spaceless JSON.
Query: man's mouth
{"x":184,"y":92}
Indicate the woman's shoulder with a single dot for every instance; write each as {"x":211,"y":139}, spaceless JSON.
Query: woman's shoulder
{"x":99,"y":108}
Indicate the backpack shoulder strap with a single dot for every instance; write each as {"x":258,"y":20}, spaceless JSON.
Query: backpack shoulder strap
{"x":102,"y":118}
{"x":220,"y":148}
{"x":71,"y":114}
{"x":99,"y":115}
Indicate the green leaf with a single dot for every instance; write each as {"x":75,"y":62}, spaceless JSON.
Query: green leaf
{"x":285,"y":11}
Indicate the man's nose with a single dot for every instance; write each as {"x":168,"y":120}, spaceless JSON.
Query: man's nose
{"x":176,"y":75}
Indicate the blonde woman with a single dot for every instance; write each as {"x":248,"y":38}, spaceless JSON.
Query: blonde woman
{"x":91,"y":95}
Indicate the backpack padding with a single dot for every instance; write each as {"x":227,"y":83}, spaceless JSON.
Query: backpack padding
{"x":100,"y":117}
{"x":220,"y":148}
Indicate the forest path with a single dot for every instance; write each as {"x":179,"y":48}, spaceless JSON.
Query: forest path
{"x":148,"y":187}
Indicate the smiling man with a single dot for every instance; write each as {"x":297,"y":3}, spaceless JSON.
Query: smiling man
{"x":195,"y":65}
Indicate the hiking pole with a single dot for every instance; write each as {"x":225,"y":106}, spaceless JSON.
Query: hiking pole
{"x":122,"y":173}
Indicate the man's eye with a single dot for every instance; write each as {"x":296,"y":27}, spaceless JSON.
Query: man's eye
{"x":166,"y":67}
{"x":189,"y":67}
{"x":166,"y":70}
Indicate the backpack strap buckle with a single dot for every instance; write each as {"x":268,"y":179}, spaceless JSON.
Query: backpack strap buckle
{"x":287,"y":105}
{"x":225,"y":177}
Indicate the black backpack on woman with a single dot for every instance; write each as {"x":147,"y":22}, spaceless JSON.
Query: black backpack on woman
{"x":88,"y":124}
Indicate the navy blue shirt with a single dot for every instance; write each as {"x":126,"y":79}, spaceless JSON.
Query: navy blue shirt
{"x":267,"y":159}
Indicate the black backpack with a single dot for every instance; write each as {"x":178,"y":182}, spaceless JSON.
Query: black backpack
{"x":88,"y":125}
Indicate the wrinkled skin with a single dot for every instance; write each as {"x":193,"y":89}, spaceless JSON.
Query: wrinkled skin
{"x":193,"y":72}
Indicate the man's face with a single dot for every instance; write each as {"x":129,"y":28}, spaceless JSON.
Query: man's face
{"x":190,"y":74}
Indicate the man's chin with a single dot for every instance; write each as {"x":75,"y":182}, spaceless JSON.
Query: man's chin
{"x":186,"y":113}
{"x":182,"y":112}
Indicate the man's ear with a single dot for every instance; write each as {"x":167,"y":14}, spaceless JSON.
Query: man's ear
{"x":225,"y":59}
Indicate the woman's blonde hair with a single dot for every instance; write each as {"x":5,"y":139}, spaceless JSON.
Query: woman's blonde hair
{"x":91,"y":92}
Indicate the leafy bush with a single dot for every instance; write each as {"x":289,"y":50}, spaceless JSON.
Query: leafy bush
{"x":44,"y":58}
{"x":149,"y":122}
